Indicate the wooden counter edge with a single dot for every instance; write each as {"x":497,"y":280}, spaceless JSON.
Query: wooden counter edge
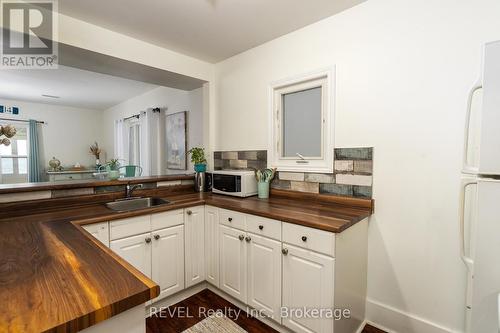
{"x":151,"y":291}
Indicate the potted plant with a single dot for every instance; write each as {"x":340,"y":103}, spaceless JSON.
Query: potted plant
{"x":198,"y":159}
{"x":264,"y":177}
{"x":112,"y":165}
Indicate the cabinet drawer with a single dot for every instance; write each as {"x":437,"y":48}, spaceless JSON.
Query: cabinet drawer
{"x":100,"y":231}
{"x":309,"y":238}
{"x":129,"y":227}
{"x":167,"y":219}
{"x":232,"y":219}
{"x":64,"y":177}
{"x":264,"y":227}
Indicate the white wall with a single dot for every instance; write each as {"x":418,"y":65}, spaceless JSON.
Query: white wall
{"x":174,"y":100}
{"x":403,"y":70}
{"x":69,"y":133}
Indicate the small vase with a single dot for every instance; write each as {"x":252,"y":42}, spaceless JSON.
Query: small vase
{"x":263,"y":190}
{"x":200,"y":167}
{"x":114,"y":174}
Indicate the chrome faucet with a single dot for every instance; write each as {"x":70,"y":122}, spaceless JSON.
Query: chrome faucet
{"x":131,"y":188}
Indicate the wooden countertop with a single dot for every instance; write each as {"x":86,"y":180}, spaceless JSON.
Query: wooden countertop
{"x":54,"y":277}
{"x":328,"y":216}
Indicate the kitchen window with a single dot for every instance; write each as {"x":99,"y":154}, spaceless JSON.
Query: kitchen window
{"x":14,"y":158}
{"x":302,"y":123}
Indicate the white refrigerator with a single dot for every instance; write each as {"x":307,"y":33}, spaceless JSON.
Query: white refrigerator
{"x":480,"y":197}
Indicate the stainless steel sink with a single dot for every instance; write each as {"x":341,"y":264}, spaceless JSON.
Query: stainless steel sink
{"x":125,"y":205}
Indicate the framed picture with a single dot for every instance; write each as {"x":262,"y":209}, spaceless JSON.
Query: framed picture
{"x":177,"y":141}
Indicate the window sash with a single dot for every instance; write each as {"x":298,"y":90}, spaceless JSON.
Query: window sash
{"x":278,"y":98}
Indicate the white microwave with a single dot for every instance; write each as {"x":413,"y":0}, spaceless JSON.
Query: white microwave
{"x":239,"y":183}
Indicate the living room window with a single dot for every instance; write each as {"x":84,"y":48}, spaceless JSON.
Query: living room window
{"x":14,"y":158}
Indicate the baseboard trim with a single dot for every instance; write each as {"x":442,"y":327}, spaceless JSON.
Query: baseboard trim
{"x":397,"y":321}
{"x":362,"y":327}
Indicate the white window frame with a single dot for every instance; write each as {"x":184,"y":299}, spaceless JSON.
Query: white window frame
{"x":321,"y":164}
{"x":16,"y":177}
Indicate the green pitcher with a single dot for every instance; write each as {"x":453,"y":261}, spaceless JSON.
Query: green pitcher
{"x":132,"y":170}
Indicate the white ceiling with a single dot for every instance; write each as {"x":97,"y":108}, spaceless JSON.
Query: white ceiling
{"x":210,"y":30}
{"x":75,"y":87}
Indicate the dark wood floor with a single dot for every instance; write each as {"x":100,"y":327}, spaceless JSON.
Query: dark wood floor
{"x":194,"y":309}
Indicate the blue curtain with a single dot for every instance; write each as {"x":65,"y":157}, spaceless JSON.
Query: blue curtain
{"x":34,"y":174}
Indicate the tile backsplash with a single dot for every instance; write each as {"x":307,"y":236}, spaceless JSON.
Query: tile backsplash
{"x":247,"y":159}
{"x":352,"y":175}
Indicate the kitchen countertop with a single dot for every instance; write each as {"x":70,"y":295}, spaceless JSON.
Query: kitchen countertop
{"x":55,"y":277}
{"x":74,"y":184}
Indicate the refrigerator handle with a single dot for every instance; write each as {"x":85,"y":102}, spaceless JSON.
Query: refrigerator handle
{"x":469,"y":168}
{"x":498,"y":312}
{"x":468,"y":261}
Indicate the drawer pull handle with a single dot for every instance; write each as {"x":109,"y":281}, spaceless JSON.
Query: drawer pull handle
{"x":157,"y":237}
{"x":189,"y":212}
{"x":304,"y":238}
{"x":261,"y":227}
{"x":148,"y":240}
{"x":248,"y":239}
{"x":230,"y":219}
{"x":284,"y":251}
{"x":241,"y":237}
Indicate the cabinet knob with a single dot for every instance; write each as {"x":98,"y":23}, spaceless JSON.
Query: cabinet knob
{"x":241,"y":237}
{"x":248,"y":239}
{"x":261,"y":227}
{"x":230,"y":219}
{"x":304,"y":238}
{"x":284,"y":251}
{"x":148,"y":240}
{"x":189,"y":212}
{"x":157,"y":237}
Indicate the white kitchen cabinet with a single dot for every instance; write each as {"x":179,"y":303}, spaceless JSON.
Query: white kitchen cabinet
{"x":233,"y":262}
{"x":250,"y":263}
{"x":308,"y":283}
{"x":136,"y":250}
{"x":100,"y":231}
{"x":212,"y":245}
{"x":167,"y":219}
{"x":195,"y":245}
{"x":168,"y":260}
{"x":264,"y":263}
{"x":129,"y":227}
{"x":264,"y":275}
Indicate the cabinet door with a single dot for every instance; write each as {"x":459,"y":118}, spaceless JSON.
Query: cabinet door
{"x":100,"y":231}
{"x":233,"y":262}
{"x":212,"y":245}
{"x":195,"y":245}
{"x":136,"y":250}
{"x":264,"y":275}
{"x":308,"y":282}
{"x":168,"y":260}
